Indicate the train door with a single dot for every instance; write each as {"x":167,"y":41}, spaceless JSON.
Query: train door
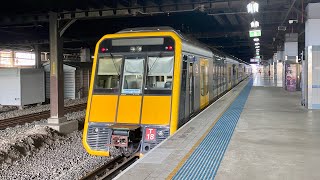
{"x":229,"y":77}
{"x":191,"y":89}
{"x":204,"y":91}
{"x":130,"y":100}
{"x":221,"y":72}
{"x":219,"y":80}
{"x":225,"y":77}
{"x":233,"y":76}
{"x":215,"y":92}
{"x":183,"y":107}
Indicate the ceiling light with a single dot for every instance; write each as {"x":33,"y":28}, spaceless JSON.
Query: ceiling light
{"x":255,"y":39}
{"x":254,"y":24}
{"x":257,"y":47}
{"x":253,"y":7}
{"x":256,"y":44}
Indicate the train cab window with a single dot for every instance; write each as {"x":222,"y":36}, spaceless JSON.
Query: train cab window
{"x":108,"y":75}
{"x":133,"y":76}
{"x":159,"y":75}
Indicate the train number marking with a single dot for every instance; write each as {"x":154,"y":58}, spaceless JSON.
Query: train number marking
{"x":150,"y":134}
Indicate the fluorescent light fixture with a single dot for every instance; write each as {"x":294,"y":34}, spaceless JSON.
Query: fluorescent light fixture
{"x":257,"y":47}
{"x":254,"y":24}
{"x":253,"y":7}
{"x":256,"y":39}
{"x":257,"y":44}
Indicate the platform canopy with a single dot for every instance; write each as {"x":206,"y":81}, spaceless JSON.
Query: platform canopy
{"x":223,"y":24}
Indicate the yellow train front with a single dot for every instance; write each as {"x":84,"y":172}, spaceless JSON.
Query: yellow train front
{"x":145,"y":84}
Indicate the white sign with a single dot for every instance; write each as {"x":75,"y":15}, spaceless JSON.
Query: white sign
{"x":254,"y":60}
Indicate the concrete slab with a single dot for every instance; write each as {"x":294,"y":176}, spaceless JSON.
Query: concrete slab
{"x":64,"y":128}
{"x":57,"y":120}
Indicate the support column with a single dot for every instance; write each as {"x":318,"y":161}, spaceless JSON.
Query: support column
{"x":37,"y":52}
{"x":311,"y":67}
{"x":291,"y":62}
{"x":57,"y":119}
{"x":85,"y":55}
{"x":280,"y":59}
{"x":275,"y":66}
{"x":56,"y":72}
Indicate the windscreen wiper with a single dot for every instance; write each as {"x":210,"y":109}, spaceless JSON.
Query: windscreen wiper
{"x":149,"y":70}
{"x":112,"y":58}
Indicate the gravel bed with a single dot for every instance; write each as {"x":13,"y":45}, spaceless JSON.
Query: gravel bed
{"x":35,"y":109}
{"x":27,"y":143}
{"x":7,"y":108}
{"x":22,"y":140}
{"x":79,"y":115}
{"x":32,"y":152}
{"x":64,"y":159}
{"x":13,"y":132}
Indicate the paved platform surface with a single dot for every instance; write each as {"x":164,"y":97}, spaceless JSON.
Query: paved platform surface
{"x":275,"y":138}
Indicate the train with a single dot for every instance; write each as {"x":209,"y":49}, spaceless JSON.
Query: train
{"x":148,"y":82}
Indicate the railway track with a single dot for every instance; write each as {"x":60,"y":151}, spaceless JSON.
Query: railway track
{"x":10,"y":122}
{"x":111,"y":169}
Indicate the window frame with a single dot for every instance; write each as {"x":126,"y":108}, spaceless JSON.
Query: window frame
{"x":123,"y":76}
{"x":159,"y":91}
{"x":107,"y":90}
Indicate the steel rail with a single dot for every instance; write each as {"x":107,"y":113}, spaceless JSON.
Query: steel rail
{"x":111,"y":169}
{"x":28,"y":118}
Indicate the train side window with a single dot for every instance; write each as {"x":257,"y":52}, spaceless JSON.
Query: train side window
{"x":159,"y":75}
{"x":108,"y":74}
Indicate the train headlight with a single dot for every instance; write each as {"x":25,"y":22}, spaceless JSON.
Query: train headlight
{"x":160,"y":133}
{"x":139,"y":48}
{"x":133,"y":49}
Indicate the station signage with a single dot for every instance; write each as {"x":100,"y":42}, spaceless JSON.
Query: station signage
{"x":255,"y":60}
{"x":255,"y":33}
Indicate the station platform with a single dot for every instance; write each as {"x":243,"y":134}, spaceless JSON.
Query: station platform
{"x":255,"y":131}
